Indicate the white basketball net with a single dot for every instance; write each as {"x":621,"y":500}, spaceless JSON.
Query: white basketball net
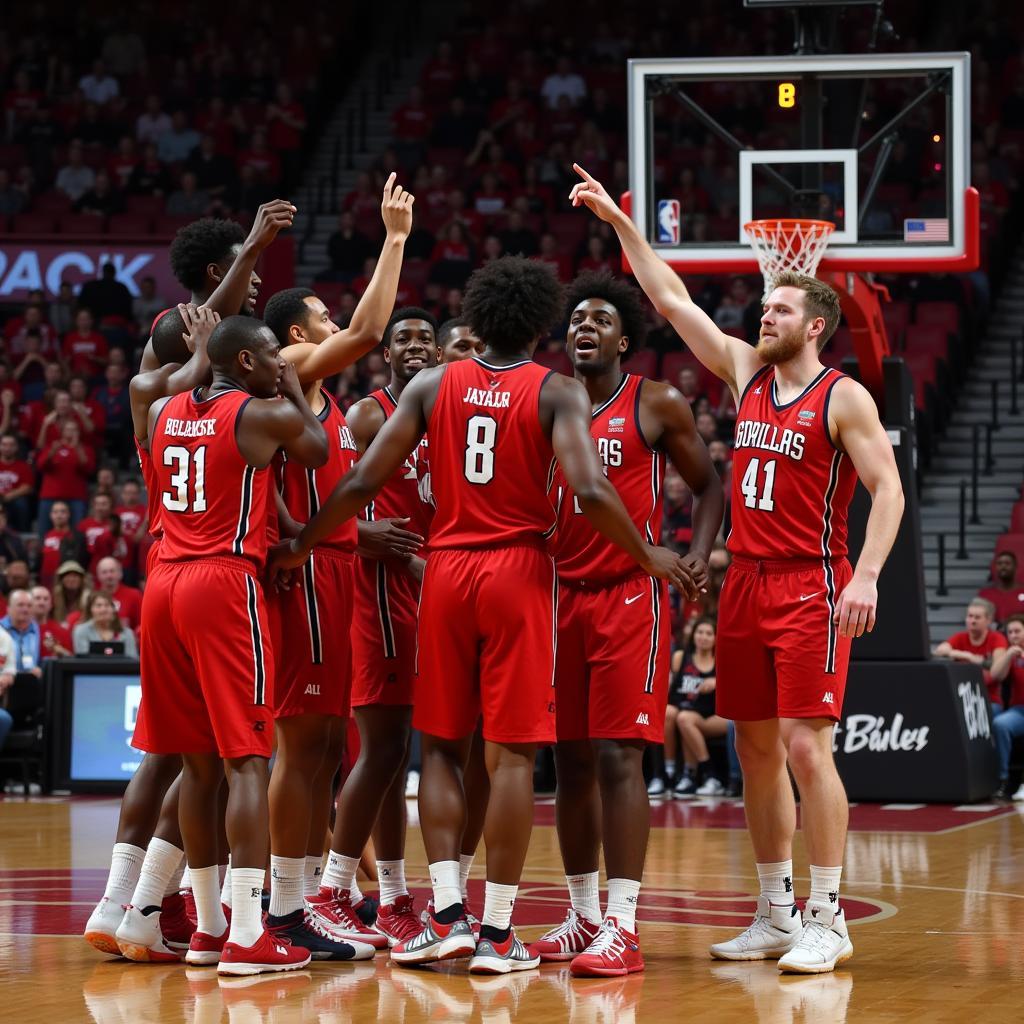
{"x":788,"y":245}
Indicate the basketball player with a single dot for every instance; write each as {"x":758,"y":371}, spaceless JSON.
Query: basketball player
{"x":143,"y":879}
{"x":211,"y":449}
{"x":791,"y":604}
{"x":311,"y":622}
{"x":216,"y":261}
{"x":487,"y":617}
{"x":614,"y":637}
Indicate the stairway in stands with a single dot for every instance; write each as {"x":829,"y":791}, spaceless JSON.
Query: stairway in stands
{"x":380,"y":90}
{"x":998,"y":489}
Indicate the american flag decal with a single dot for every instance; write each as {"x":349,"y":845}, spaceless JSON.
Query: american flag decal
{"x":934,"y":229}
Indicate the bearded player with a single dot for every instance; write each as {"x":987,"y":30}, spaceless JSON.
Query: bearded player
{"x":791,"y":603}
{"x":612,"y":667}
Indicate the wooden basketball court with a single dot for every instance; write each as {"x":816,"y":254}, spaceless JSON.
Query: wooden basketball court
{"x":933,"y":894}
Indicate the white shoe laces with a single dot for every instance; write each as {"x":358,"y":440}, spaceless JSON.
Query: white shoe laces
{"x":609,"y":940}
{"x":758,"y":932}
{"x":570,"y":926}
{"x":817,"y":937}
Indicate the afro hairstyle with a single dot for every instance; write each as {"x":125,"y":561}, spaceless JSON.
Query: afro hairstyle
{"x":285,"y":309}
{"x":199,"y":244}
{"x":511,"y":302}
{"x":409,"y":313}
{"x":599,"y":284}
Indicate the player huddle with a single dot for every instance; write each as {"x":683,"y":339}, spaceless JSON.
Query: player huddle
{"x":470,"y":551}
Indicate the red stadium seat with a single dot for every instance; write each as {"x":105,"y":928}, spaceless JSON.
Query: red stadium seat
{"x":554,"y":361}
{"x":927,"y":338}
{"x":1017,"y":518}
{"x":167,"y":226}
{"x":52,"y":202}
{"x":81,"y":224}
{"x":896,"y":316}
{"x":32,"y":224}
{"x":643,"y":363}
{"x":145,"y":206}
{"x":129,"y":224}
{"x":938,"y":314}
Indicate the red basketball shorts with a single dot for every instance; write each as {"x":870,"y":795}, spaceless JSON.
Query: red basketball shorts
{"x":383,"y":634}
{"x":312,"y":652}
{"x":612,"y":663}
{"x":779,"y":655}
{"x":487,"y":645}
{"x":206,"y":661}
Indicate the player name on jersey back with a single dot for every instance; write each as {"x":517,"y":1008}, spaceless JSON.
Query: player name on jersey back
{"x":190,"y":428}
{"x":791,"y":485}
{"x":491,"y":464}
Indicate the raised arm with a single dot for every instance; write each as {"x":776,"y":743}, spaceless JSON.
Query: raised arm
{"x":314,"y":362}
{"x":569,"y":407}
{"x":392,"y":446}
{"x":688,"y":453}
{"x":174,"y":378}
{"x":857,"y":430}
{"x":1003,"y":659}
{"x":731,"y":359}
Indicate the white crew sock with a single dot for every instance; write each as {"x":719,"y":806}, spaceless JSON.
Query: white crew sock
{"x":174,"y":882}
{"x":623,"y":896}
{"x":391,"y":876}
{"x":186,"y":879}
{"x":498,"y":903}
{"x":246,"y":910}
{"x":341,"y":871}
{"x":225,"y":889}
{"x":162,"y":860}
{"x":286,"y":884}
{"x":444,"y":877}
{"x":355,"y":894}
{"x":125,"y":868}
{"x":825,"y":886}
{"x":312,"y":876}
{"x":210,"y":917}
{"x":777,"y":882}
{"x":585,"y":896}
{"x":465,"y":865}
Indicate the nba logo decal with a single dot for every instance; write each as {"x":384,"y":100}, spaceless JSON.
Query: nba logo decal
{"x":668,"y":221}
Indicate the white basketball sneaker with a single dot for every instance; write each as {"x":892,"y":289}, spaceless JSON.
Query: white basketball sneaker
{"x":824,"y":942}
{"x":773,"y":933}
{"x":101,"y":928}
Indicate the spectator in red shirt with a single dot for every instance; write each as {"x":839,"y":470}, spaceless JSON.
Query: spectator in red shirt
{"x":266,"y":164}
{"x":1008,"y":665}
{"x":17,"y":329}
{"x":52,"y":425}
{"x":551,"y":254}
{"x":134,"y":516}
{"x":65,"y":466}
{"x":60,"y":544}
{"x":286,"y":121}
{"x":976,"y":645}
{"x":17,"y":482}
{"x":412,"y":120}
{"x":89,"y":412}
{"x":1006,"y":594}
{"x":85,"y":349}
{"x":70,"y":594}
{"x":99,"y":525}
{"x":33,"y":410}
{"x":30,"y":368}
{"x":127,"y":600}
{"x":123,"y":162}
{"x":54,"y":639}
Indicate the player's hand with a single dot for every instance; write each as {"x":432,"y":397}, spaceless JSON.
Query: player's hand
{"x":592,"y":194}
{"x":199,"y":324}
{"x":855,"y":612}
{"x":271,"y":218}
{"x":396,"y":209}
{"x":387,"y":538}
{"x":667,"y":565}
{"x":289,"y":386}
{"x":282,"y":558}
{"x":698,"y":571}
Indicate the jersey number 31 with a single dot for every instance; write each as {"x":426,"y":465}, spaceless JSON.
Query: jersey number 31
{"x":189,"y":473}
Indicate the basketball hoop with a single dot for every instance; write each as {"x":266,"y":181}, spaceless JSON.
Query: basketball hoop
{"x":788,"y":245}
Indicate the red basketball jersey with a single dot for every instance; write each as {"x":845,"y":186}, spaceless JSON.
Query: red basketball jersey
{"x":152,"y":489}
{"x":400,"y":498}
{"x":636,"y":471}
{"x":305,"y":490}
{"x":491,"y":465}
{"x":791,"y":486}
{"x":212,"y":501}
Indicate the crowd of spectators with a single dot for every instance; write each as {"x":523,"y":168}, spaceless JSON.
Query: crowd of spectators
{"x":110,"y":124}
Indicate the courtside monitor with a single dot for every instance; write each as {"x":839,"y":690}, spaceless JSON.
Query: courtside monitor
{"x":877,"y":144}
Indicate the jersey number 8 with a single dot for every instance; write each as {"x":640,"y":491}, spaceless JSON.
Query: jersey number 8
{"x":481,"y":435}
{"x":186,"y":464}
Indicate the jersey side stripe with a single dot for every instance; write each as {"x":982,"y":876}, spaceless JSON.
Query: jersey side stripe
{"x":387,"y":630}
{"x":652,"y":659}
{"x":826,"y":553}
{"x":554,"y":620}
{"x":244,"y":511}
{"x":256,"y":633}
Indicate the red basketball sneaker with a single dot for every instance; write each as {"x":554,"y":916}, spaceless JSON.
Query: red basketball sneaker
{"x":205,"y":949}
{"x":175,"y":925}
{"x":398,"y":921}
{"x":269,"y":953}
{"x":567,"y":940}
{"x":333,"y":908}
{"x":615,"y":951}
{"x":190,"y":905}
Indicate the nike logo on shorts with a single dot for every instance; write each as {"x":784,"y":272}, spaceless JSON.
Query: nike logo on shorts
{"x":630,"y":600}
{"x":807,"y":597}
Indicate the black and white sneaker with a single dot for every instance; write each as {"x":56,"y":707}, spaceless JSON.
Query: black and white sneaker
{"x":302,"y":929}
{"x":685,"y":788}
